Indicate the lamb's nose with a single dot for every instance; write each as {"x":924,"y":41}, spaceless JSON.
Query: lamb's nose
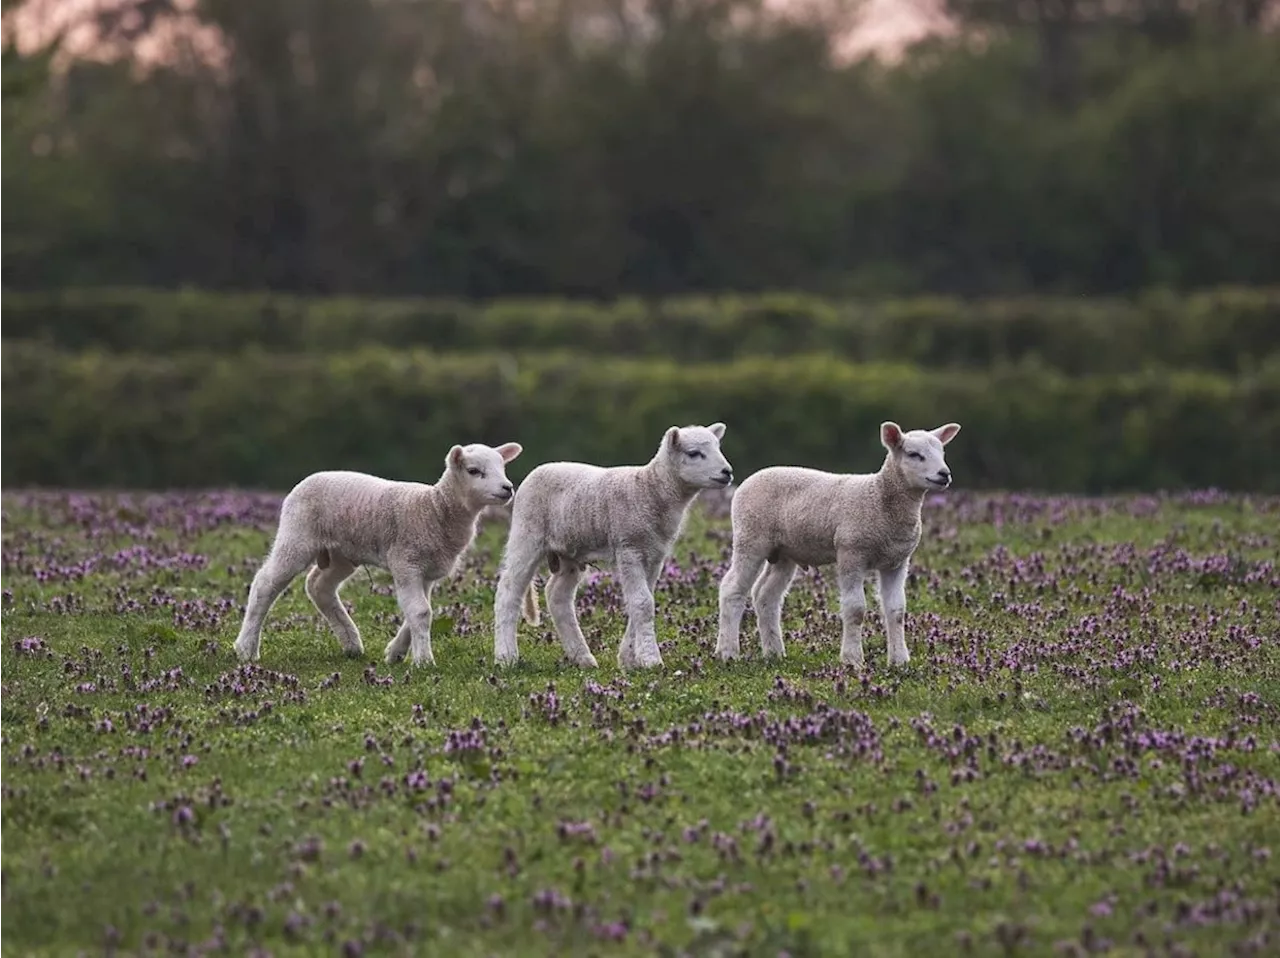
{"x":508,"y":490}
{"x":944,"y":474}
{"x":727,"y":473}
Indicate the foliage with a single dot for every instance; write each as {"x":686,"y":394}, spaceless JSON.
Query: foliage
{"x":260,"y":419}
{"x":1227,"y":330}
{"x":46,"y":191}
{"x":433,"y":147}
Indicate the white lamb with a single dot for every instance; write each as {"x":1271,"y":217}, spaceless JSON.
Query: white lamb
{"x":571,"y":513}
{"x":342,"y":520}
{"x":787,"y":516}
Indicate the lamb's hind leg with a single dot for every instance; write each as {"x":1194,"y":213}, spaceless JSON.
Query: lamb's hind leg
{"x":562,"y":589}
{"x":322,"y":588}
{"x":734,"y":588}
{"x":767,"y":597}
{"x":285,"y":561}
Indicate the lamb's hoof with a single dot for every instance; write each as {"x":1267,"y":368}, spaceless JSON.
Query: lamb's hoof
{"x":587,"y":661}
{"x":505,"y":661}
{"x":898,"y":662}
{"x":773,"y":652}
{"x":647,"y":662}
{"x":353,"y":651}
{"x":726,"y":652}
{"x":629,"y":659}
{"x":854,"y":661}
{"x":423,"y":661}
{"x":392,"y":655}
{"x":245,"y":654}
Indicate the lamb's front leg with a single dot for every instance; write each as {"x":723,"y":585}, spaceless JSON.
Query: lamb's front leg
{"x":893,"y":605}
{"x":639,"y":647}
{"x":627,"y":651}
{"x":850,"y":577}
{"x":414,"y":596}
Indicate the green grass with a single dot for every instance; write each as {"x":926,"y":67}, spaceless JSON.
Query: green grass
{"x":1082,"y":753}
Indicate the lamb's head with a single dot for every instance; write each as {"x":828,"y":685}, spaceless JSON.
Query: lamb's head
{"x":480,"y":472}
{"x":693,"y":453}
{"x":918,"y":455}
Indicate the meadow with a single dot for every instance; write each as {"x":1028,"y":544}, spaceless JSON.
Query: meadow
{"x":1081,"y":757}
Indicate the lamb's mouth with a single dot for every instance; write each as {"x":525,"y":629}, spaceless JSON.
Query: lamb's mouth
{"x":938,"y":483}
{"x":722,"y":480}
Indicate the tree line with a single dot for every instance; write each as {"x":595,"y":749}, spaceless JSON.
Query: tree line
{"x":597,"y":148}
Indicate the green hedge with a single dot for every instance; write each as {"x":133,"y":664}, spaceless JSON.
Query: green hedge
{"x":1226,"y":330}
{"x":264,"y":420}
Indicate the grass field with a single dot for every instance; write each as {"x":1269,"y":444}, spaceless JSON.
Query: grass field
{"x":1082,"y":756}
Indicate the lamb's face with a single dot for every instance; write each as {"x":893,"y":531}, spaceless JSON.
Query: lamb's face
{"x":694,"y":451}
{"x":919,"y":453}
{"x":481,"y":471}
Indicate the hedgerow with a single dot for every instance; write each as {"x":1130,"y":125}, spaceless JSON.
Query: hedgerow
{"x":265,"y":420}
{"x":1225,"y":330}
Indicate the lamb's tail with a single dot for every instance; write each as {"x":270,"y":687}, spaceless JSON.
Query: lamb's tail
{"x":531,"y":604}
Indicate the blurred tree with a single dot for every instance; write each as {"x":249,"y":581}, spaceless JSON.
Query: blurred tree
{"x":702,"y":166}
{"x":601,"y":147}
{"x":1060,"y":26}
{"x":1183,"y":168}
{"x":50,"y":208}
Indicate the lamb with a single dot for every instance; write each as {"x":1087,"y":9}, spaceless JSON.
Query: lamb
{"x":572,"y":513}
{"x":787,"y":516}
{"x":341,"y":520}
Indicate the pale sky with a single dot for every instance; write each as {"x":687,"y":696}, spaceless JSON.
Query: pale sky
{"x":886,"y":26}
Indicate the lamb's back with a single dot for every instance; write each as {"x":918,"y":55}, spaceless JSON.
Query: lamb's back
{"x":813,"y":517}
{"x":351,"y":513}
{"x":582,"y":510}
{"x":790,"y":511}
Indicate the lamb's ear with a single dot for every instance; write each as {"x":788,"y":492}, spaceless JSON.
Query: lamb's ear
{"x":891,"y":435}
{"x":672,"y":438}
{"x":509,"y":450}
{"x":454,"y":458}
{"x":946,"y":433}
{"x":717,"y":430}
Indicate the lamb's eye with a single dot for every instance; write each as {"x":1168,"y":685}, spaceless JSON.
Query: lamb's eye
{"x":472,"y":470}
{"x":697,"y":454}
{"x":915,"y":455}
